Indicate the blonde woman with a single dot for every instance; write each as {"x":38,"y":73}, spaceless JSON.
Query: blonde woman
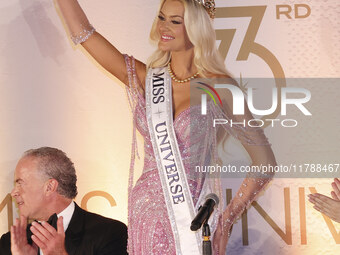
{"x":166,"y":196}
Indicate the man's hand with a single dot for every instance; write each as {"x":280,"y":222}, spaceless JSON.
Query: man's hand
{"x":19,"y":244}
{"x":49,"y":240}
{"x":326,"y":205}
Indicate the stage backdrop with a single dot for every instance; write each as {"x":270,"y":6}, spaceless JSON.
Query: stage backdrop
{"x":54,"y":94}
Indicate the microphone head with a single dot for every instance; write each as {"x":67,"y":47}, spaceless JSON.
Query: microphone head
{"x":204,"y":211}
{"x":214,"y":197}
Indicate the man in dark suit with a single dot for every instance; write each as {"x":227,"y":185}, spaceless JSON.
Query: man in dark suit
{"x":45,"y":185}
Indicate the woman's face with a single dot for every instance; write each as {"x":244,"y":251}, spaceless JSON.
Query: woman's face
{"x":170,"y":26}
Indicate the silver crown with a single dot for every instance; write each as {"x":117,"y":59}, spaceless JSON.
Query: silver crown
{"x":209,"y":5}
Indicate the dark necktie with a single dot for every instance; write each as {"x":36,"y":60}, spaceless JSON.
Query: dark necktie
{"x":52,"y":221}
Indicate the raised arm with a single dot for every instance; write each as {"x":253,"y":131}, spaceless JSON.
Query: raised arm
{"x":81,"y":31}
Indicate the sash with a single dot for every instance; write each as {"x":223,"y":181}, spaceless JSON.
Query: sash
{"x":180,"y":207}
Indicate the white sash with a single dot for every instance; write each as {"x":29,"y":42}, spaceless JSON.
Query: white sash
{"x":170,"y":166}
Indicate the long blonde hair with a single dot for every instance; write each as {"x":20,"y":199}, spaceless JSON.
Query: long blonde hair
{"x":201,"y":34}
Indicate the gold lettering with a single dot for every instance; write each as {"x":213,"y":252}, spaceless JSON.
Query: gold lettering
{"x":297,"y":7}
{"x":287,"y":237}
{"x":245,"y":234}
{"x":226,"y":36}
{"x":97,"y":193}
{"x":283,"y":9}
{"x":8,"y":202}
{"x":302,"y":206}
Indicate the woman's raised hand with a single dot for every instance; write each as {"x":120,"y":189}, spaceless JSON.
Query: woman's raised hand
{"x":81,"y":31}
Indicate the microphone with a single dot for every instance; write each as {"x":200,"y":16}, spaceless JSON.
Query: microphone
{"x":204,"y":211}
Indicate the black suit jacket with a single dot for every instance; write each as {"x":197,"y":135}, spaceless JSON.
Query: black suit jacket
{"x":87,"y":234}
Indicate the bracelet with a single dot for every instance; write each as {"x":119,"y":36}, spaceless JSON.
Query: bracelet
{"x":83,"y":35}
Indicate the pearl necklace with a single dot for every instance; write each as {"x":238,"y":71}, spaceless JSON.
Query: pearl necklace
{"x":174,"y":77}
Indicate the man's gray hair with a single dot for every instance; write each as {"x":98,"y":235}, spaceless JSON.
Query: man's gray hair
{"x":54,"y":163}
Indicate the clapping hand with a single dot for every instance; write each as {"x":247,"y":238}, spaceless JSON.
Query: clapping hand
{"x":336,"y":189}
{"x":49,"y":240}
{"x":19,"y":243}
{"x":326,"y":205}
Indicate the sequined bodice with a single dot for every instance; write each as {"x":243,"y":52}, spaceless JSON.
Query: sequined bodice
{"x":189,"y":138}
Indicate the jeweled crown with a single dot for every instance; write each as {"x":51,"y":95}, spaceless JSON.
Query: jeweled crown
{"x":209,"y":5}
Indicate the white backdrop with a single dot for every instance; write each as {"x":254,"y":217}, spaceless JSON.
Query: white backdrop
{"x":54,"y":94}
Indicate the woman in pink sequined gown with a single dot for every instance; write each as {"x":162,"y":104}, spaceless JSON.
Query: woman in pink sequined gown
{"x":186,"y":41}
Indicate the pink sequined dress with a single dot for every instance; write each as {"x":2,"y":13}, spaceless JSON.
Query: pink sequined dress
{"x":149,"y":228}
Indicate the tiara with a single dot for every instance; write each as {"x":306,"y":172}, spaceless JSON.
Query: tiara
{"x":209,"y":5}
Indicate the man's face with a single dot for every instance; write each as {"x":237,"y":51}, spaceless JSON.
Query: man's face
{"x":29,"y":188}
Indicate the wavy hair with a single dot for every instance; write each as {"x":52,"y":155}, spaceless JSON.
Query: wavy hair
{"x":54,"y":163}
{"x":201,"y":34}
